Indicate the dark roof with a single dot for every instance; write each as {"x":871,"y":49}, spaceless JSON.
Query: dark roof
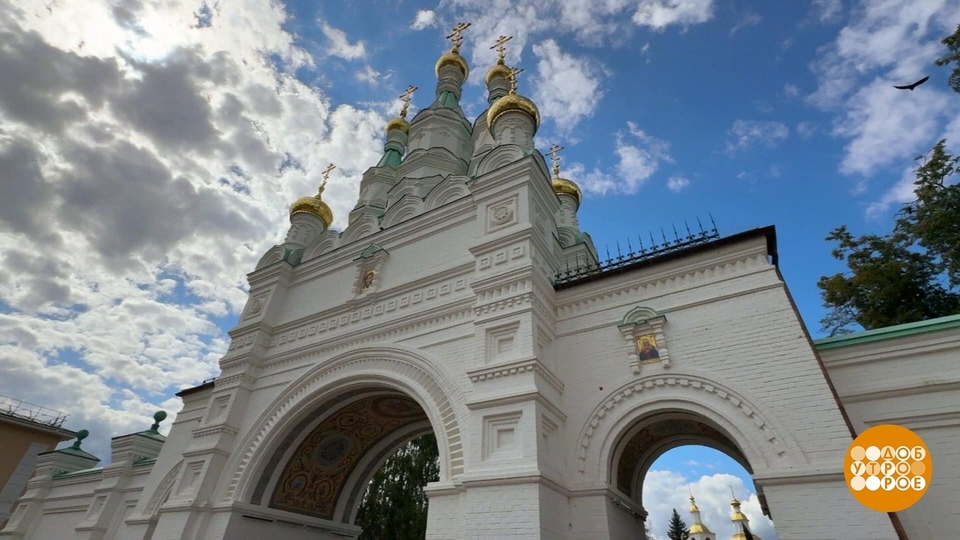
{"x":204,"y":386}
{"x":768,"y":232}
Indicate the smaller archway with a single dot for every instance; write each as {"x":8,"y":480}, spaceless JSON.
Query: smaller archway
{"x":646,"y":446}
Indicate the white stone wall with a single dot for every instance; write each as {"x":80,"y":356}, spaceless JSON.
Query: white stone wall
{"x":912,"y":380}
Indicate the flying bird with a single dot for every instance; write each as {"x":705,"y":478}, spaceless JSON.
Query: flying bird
{"x":912,"y":86}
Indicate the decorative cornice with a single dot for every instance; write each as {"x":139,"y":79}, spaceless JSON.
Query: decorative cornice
{"x":425,"y":321}
{"x":516,"y":368}
{"x":216,"y":429}
{"x":336,"y":320}
{"x":890,"y":332}
{"x":573,"y":302}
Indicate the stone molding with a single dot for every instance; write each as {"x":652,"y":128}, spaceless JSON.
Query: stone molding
{"x":516,"y":368}
{"x":773,"y":435}
{"x":685,"y":278}
{"x":400,"y":365}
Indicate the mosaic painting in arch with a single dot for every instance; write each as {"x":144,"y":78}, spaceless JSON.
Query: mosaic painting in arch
{"x":313,"y":480}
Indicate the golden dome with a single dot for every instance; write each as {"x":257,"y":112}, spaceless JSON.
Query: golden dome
{"x":312,"y":205}
{"x":696,"y":528}
{"x":453,"y":59}
{"x":562,"y":185}
{"x":512,"y":102}
{"x":498,"y":70}
{"x":398,"y":123}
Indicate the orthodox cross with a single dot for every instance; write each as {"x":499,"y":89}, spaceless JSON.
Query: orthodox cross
{"x":554,"y":150}
{"x":455,"y":36}
{"x":405,"y":98}
{"x":326,"y":176}
{"x":513,"y":79}
{"x":501,"y":49}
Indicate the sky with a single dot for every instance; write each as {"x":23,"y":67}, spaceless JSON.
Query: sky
{"x":149,"y":150}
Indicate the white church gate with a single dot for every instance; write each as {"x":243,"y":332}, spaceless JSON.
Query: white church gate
{"x":464,"y":299}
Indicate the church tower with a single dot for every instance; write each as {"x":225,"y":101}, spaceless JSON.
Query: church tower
{"x":741,"y":525}
{"x":698,"y":531}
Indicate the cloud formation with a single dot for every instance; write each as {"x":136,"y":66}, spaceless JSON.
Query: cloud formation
{"x":747,"y":133}
{"x":146,"y":168}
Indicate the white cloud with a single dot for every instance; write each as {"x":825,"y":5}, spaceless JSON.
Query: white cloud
{"x":828,"y":11}
{"x":886,"y":126}
{"x":746,"y":133}
{"x":369,"y":76}
{"x":677,"y":184}
{"x":566,"y":88}
{"x":748,"y":19}
{"x":791,"y":90}
{"x":591,"y":23}
{"x":340,"y":46}
{"x":155,"y":119}
{"x":659,"y":14}
{"x":665,"y":490}
{"x":806,"y":129}
{"x":639,"y":156}
{"x":425,"y":18}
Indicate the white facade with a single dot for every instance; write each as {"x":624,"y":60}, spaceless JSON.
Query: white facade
{"x":437,"y":309}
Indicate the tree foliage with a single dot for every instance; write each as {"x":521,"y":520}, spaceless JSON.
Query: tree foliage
{"x":913,"y":273}
{"x":677,"y":529}
{"x":953,"y":57}
{"x":394,"y":506}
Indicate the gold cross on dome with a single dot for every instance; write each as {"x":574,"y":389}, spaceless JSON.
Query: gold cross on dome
{"x":500,"y":47}
{"x":513,"y":79}
{"x":456,"y":36}
{"x":554,"y":150}
{"x":405,"y":98}
{"x":326,"y":176}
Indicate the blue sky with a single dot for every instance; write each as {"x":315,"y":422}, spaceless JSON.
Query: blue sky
{"x":219,"y":114}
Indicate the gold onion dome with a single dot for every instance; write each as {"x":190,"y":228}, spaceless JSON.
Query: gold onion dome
{"x":398,"y":123}
{"x":498,"y":70}
{"x":513,"y":102}
{"x":315,"y":205}
{"x":569,"y":187}
{"x":453,"y":58}
{"x":312,"y":205}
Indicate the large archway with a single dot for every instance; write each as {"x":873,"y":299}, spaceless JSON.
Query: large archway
{"x":323,"y":465}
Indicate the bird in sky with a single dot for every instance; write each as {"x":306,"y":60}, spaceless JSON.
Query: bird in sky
{"x":912,"y":86}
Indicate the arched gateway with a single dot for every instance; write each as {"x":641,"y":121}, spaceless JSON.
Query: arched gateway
{"x":462,"y":298}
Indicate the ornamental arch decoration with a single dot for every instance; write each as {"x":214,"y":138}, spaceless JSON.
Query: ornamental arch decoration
{"x":763,"y":442}
{"x":393,"y":370}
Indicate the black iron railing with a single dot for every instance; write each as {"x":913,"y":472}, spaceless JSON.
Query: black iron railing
{"x":654,"y":248}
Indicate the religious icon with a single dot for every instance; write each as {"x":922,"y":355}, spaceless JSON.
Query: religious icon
{"x":648,"y":348}
{"x":367,"y":280}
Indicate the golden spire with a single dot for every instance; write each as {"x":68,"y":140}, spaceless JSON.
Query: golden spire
{"x":501,"y":48}
{"x":562,"y":185}
{"x":499,"y":69}
{"x":456,"y":36}
{"x":315,"y":205}
{"x":554,"y":150}
{"x":405,"y":97}
{"x":453,"y":57}
{"x":400,"y":122}
{"x":513,"y":79}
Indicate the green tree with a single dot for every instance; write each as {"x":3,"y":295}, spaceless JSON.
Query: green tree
{"x":953,"y":57}
{"x":394,"y":506}
{"x":677,"y":529}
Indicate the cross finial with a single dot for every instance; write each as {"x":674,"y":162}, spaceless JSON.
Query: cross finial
{"x":513,"y":79}
{"x":554,"y":150}
{"x":456,"y":36}
{"x":405,"y":98}
{"x":326,"y":176}
{"x":500,"y":47}
{"x":731,"y":492}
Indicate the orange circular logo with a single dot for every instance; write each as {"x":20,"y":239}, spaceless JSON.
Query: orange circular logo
{"x":888,"y":468}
